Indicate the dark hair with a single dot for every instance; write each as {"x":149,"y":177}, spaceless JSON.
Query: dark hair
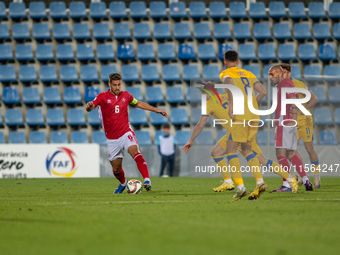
{"x":115,"y":77}
{"x":231,"y":55}
{"x":286,"y":66}
{"x":166,"y":126}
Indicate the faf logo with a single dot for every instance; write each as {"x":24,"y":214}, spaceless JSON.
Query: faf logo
{"x":61,"y":163}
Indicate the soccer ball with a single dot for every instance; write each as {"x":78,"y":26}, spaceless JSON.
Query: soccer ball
{"x":134,"y":187}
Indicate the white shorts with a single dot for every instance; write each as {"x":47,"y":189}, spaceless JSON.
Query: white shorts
{"x":286,"y":138}
{"x":115,"y":147}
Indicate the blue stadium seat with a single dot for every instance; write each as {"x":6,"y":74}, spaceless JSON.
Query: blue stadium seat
{"x":237,"y":10}
{"x":154,"y":95}
{"x":93,"y":118}
{"x":3,"y":11}
{"x":16,"y":137}
{"x":320,"y":92}
{"x":328,"y":137}
{"x":79,"y":137}
{"x":197,"y":10}
{"x":193,"y":95}
{"x":277,"y":9}
{"x":336,"y":30}
{"x":135,"y":92}
{"x":2,"y":138}
{"x":106,"y":71}
{"x":286,"y":52}
{"x":211,"y":72}
{"x":125,"y":52}
{"x":262,"y":31}
{"x":242,"y":31}
{"x":90,"y":93}
{"x":186,"y":51}
{"x":41,"y":31}
{"x":255,"y":69}
{"x":282,"y":31}
{"x":202,"y":31}
{"x":195,"y":115}
{"x":222,"y":31}
{"x":327,"y":52}
{"x":61,"y":31}
{"x":24,"y":52}
{"x":311,"y":72}
{"x":262,"y":137}
{"x":121,"y":31}
{"x":51,"y":95}
{"x":266,"y":52}
{"x":297,"y":10}
{"x":206,"y":52}
{"x":182,"y":137}
{"x":170,"y":73}
{"x":20,"y":31}
{"x":138,"y":10}
{"x":337,"y":114}
{"x":65,"y":52}
{"x":334,"y":95}
{"x":68,"y":74}
{"x":17,"y":10}
{"x":10,"y":96}
{"x":265,"y":71}
{"x":98,"y":137}
{"x":98,"y":10}
{"x":81,"y":31}
{"x":322,"y":31}
{"x":174,"y":95}
{"x":48,"y":74}
{"x":88,"y":73}
{"x":101,"y":31}
{"x":13,"y":117}
{"x":217,"y":10}
{"x":72,"y":95}
{"x":105,"y":52}
{"x":55,"y":117}
{"x":161,"y":31}
{"x":141,"y":31}
{"x":157,"y":119}
{"x":296,"y":73}
{"x":157,"y":10}
{"x":118,"y":10}
{"x":145,"y":52}
{"x":34,"y":117}
{"x":177,"y":10}
{"x":37,"y":137}
{"x":150,"y":73}
{"x":179,"y":116}
{"x":166,"y":51}
{"x":130,"y":73}
{"x":257,"y":11}
{"x":30,"y":95}
{"x":27,"y":74}
{"x":205,"y":138}
{"x":322,"y":116}
{"x":306,"y":52}
{"x":334,"y":10}
{"x":85,"y":52}
{"x":223,"y":47}
{"x":137,"y":117}
{"x":77,"y":10}
{"x":143,"y":138}
{"x":316,"y":10}
{"x":190,"y":72}
{"x":37,"y":10}
{"x":332,"y":70}
{"x":4,"y":32}
{"x":246,"y":52}
{"x":44,"y":52}
{"x":58,"y":10}
{"x":7,"y":74}
{"x":302,"y":31}
{"x":182,"y":31}
{"x":76,"y":117}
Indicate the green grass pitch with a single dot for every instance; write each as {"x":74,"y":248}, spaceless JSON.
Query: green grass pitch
{"x":179,"y":216}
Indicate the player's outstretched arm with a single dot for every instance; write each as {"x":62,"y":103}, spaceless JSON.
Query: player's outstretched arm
{"x":148,"y":107}
{"x":197,"y":130}
{"x":262,"y":91}
{"x":90,"y":106}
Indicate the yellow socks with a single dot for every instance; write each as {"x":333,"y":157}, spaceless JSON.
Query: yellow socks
{"x":315,"y":167}
{"x":235,"y":168}
{"x":254,"y":165}
{"x":277,"y":169}
{"x":223,"y":166}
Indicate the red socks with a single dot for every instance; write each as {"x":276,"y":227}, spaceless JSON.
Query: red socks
{"x":120,"y":175}
{"x":141,"y":165}
{"x":296,"y":161}
{"x":283,"y":161}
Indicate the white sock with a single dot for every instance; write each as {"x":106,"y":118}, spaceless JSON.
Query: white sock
{"x":315,"y":175}
{"x":240,"y":187}
{"x":286,"y":184}
{"x":228,"y":181}
{"x":146,"y":179}
{"x":259,"y":181}
{"x":304,"y":179}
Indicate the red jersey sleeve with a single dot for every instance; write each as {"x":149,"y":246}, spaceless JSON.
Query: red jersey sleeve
{"x":287,"y":83}
{"x":129,"y":96}
{"x":97,"y":99}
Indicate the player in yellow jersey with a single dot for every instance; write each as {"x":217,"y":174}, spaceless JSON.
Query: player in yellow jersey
{"x":305,"y":126}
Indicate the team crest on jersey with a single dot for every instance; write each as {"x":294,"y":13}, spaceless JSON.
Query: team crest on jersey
{"x":109,"y":101}
{"x":123,"y":99}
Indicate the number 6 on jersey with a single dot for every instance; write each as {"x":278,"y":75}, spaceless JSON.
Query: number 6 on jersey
{"x":117,"y":109}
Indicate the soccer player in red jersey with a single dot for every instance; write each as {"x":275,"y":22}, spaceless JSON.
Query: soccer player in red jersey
{"x":113,"y":114}
{"x":286,"y":136}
